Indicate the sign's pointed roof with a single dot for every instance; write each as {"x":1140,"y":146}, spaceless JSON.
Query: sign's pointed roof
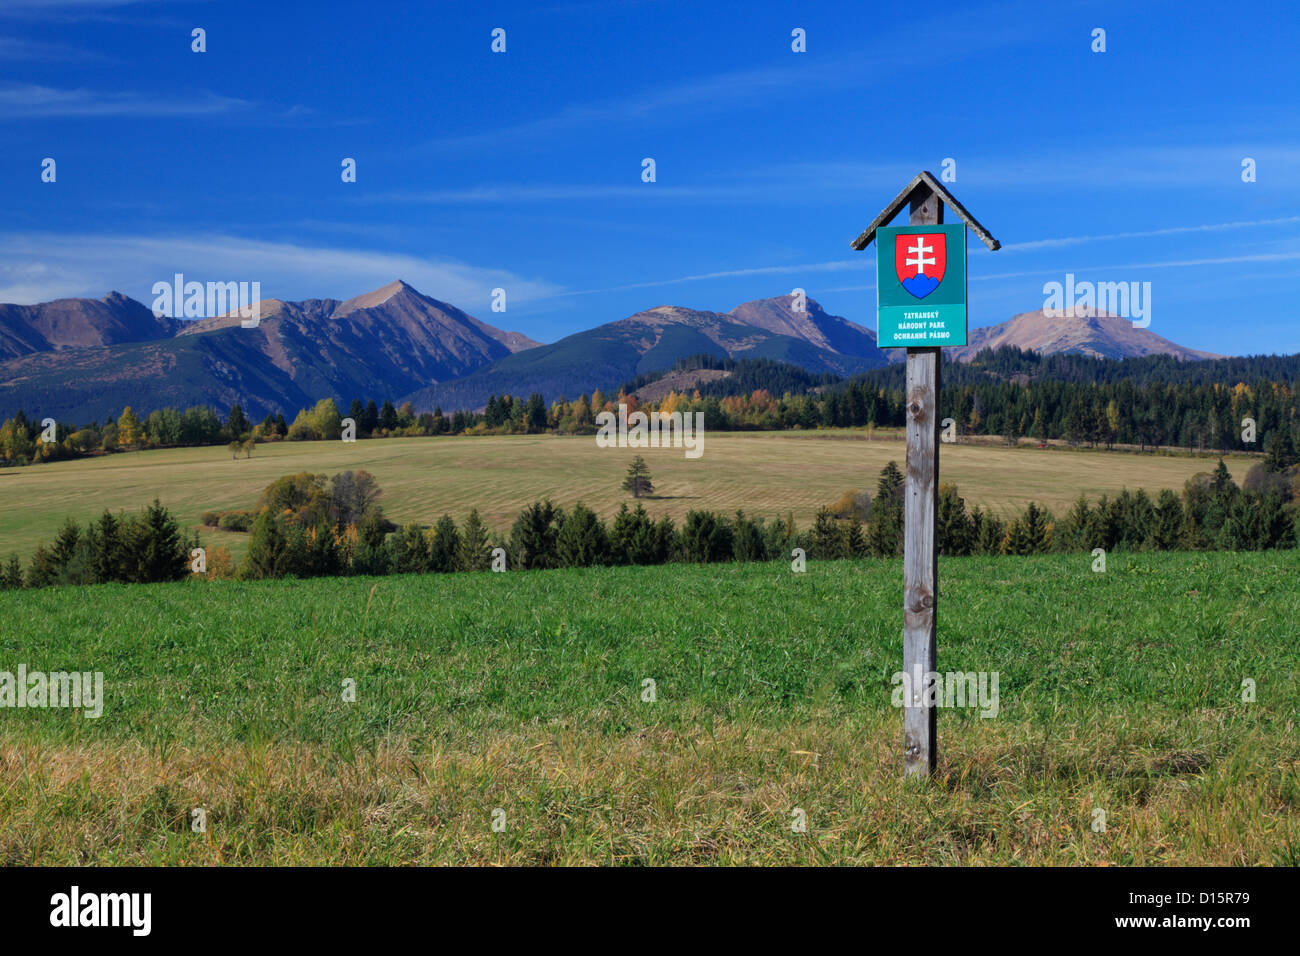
{"x":925,"y":181}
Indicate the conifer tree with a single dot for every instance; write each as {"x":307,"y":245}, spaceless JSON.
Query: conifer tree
{"x":237,"y":423}
{"x":158,"y":552}
{"x":747,"y":539}
{"x":443,"y":545}
{"x":885,"y":533}
{"x":1281,"y":453}
{"x":827,"y":540}
{"x":953,"y":527}
{"x":11,"y":576}
{"x":889,"y":487}
{"x":65,"y":544}
{"x":410,"y":549}
{"x":473,"y":552}
{"x":42,"y":572}
{"x":988,"y":532}
{"x":664,"y":541}
{"x":1166,"y":522}
{"x":267,"y":548}
{"x":705,"y":537}
{"x":533,"y":536}
{"x":1078,"y":528}
{"x":855,"y":538}
{"x":106,"y":553}
{"x":582,"y":541}
{"x":638,"y":478}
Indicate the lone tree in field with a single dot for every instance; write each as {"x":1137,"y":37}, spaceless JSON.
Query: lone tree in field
{"x":638,"y":478}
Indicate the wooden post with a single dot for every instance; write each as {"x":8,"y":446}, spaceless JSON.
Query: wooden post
{"x":920,"y":543}
{"x":927,"y":198}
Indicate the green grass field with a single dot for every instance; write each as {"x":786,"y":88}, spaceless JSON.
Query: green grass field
{"x":1119,"y":691}
{"x":764,"y":473}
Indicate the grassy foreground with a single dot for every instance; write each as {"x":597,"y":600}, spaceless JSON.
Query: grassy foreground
{"x":522,"y":691}
{"x":765,"y":473}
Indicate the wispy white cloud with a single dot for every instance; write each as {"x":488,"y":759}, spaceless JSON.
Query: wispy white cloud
{"x":519,"y":193}
{"x":715,"y":93}
{"x":868,"y":262}
{"x":37,"y":267}
{"x":1119,"y":163}
{"x":1209,"y":261}
{"x":27,"y":101}
{"x":1118,"y":267}
{"x":1114,"y":268}
{"x":804,"y":77}
{"x":780,"y":184}
{"x":32,"y":9}
{"x":844,"y":182}
{"x":1108,"y":165}
{"x":728,"y":274}
{"x":1150,"y":233}
{"x":765,"y":185}
{"x":12,"y":5}
{"x":16,"y":48}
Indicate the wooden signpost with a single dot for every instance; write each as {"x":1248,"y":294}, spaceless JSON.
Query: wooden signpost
{"x":938,"y":323}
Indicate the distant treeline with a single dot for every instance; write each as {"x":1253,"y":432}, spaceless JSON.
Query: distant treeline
{"x":1010,"y":394}
{"x":1072,"y":368}
{"x":307,"y":526}
{"x":747,"y":375}
{"x":1150,"y":401}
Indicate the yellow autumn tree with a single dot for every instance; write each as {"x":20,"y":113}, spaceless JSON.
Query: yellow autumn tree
{"x":582,"y":412}
{"x":129,"y":432}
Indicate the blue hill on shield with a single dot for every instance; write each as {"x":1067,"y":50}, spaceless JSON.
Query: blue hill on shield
{"x":920,"y":285}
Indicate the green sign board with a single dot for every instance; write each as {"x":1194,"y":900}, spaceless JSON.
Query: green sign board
{"x":920,"y":286}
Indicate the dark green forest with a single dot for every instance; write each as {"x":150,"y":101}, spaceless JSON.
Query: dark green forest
{"x":1234,"y":404}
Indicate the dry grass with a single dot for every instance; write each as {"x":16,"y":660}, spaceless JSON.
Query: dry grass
{"x":1119,"y":691}
{"x":723,"y":795}
{"x":768,"y":473}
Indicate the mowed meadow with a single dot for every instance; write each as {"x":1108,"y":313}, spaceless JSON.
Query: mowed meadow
{"x":524,"y":693}
{"x":764,"y":473}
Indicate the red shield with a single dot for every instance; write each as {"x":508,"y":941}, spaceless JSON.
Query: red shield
{"x":920,"y":260}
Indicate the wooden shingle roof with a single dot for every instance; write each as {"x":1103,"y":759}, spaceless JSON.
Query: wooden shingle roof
{"x":923,"y":182}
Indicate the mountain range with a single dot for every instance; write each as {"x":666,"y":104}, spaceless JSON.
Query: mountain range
{"x":385,"y":343}
{"x":1089,"y":332}
{"x":82,"y":359}
{"x":611,"y":354}
{"x":78,"y":323}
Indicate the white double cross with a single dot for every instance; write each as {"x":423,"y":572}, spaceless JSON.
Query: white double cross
{"x":919,"y":251}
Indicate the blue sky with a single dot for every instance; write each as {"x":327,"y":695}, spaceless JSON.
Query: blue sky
{"x":522,"y":170}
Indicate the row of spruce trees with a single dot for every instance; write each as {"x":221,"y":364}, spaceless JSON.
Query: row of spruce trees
{"x":310,"y":526}
{"x":133,"y":549}
{"x":1211,"y":513}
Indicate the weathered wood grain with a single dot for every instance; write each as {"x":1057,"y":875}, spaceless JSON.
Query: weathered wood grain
{"x":922,"y":184}
{"x":920,"y":544}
